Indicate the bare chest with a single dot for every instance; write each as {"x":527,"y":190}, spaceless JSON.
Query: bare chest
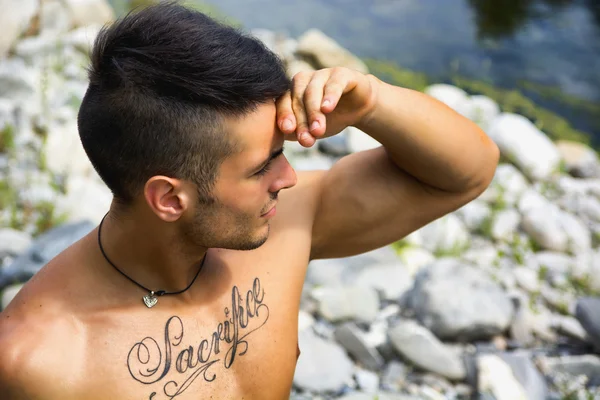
{"x":244,"y":346}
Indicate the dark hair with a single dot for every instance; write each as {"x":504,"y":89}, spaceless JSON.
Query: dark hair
{"x":162,"y":80}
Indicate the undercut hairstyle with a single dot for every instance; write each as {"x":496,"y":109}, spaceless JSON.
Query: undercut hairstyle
{"x":161,"y":82}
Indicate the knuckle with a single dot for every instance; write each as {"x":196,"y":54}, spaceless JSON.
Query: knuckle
{"x":301,"y":77}
{"x":310,"y":92}
{"x":315,"y":115}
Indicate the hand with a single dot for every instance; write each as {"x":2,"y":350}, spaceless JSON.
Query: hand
{"x":322,"y":103}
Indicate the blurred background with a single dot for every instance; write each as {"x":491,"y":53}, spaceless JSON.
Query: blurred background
{"x":497,"y":300}
{"x":548,"y":50}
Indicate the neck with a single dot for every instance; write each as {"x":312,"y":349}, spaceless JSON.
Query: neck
{"x":149,"y":251}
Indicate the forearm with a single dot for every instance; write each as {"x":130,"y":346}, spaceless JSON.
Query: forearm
{"x":429,"y":140}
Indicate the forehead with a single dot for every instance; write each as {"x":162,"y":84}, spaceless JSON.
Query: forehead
{"x":254,"y":136}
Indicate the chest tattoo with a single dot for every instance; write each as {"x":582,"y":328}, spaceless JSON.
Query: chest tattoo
{"x":177,"y":364}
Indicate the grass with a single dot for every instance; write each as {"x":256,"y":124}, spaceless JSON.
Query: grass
{"x":8,"y":196}
{"x":47,"y":218}
{"x":455,"y":251}
{"x":401,"y":245}
{"x":198,"y":5}
{"x":509,"y":100}
{"x":7,"y":139}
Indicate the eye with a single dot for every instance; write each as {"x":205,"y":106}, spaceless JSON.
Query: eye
{"x":264,"y":170}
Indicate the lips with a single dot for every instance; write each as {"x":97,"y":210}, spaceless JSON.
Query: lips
{"x":269,"y":211}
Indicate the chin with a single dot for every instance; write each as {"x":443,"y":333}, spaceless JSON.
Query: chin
{"x":252,"y":242}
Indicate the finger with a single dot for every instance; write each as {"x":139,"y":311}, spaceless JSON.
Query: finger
{"x":299,"y":84}
{"x":285,"y":113}
{"x":333,"y":91}
{"x":313,"y":97}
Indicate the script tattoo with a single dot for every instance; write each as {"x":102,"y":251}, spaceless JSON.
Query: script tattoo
{"x":149,"y":361}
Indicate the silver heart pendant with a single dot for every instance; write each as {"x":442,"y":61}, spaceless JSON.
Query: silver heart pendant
{"x":150,"y":300}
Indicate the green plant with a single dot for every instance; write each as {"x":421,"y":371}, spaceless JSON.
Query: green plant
{"x":7,"y":139}
{"x":391,"y":72}
{"x":454,"y":251}
{"x":401,"y":245}
{"x":512,"y":101}
{"x":47,"y":217}
{"x":8,"y":196}
{"x":543,"y":273}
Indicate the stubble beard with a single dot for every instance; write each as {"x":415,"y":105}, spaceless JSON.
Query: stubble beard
{"x":206,"y":230}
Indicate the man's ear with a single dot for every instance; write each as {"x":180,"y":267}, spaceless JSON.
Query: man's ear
{"x":167,"y":197}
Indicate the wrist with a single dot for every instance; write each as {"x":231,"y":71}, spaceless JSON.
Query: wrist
{"x":368,"y":114}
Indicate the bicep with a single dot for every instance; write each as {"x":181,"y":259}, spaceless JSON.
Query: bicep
{"x":366,"y":202}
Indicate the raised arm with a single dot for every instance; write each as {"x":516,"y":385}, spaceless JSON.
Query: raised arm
{"x":433,"y":160}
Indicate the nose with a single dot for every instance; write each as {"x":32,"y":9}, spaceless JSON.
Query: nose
{"x":287,"y":176}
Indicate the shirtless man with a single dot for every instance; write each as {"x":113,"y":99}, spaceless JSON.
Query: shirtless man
{"x":190,"y":289}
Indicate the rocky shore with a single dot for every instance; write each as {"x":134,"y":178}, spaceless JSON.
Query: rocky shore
{"x":498,"y":300}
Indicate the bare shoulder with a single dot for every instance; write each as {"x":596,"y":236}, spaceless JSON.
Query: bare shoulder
{"x":34,"y":353}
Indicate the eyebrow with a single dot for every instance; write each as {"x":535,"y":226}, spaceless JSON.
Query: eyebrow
{"x":272,"y":156}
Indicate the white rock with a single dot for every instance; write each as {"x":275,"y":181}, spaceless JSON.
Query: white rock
{"x":541,"y":324}
{"x":344,"y":303}
{"x":483,"y":257}
{"x":15,"y":19}
{"x":523,"y":143}
{"x":429,"y":393}
{"x":18,"y":82}
{"x":580,"y":159}
{"x":268,"y":37}
{"x":392,"y":280}
{"x":83,"y":38}
{"x":377,"y":334}
{"x":7,"y":118}
{"x":13,"y":242}
{"x":474,"y":214}
{"x":527,"y":278}
{"x":9,"y":294}
{"x":586,"y":207}
{"x":579,"y":236}
{"x":570,"y":326}
{"x":54,"y":17}
{"x":497,"y":377}
{"x":594,"y":274}
{"x":88,"y":12}
{"x":507,"y":186}
{"x":327,"y":272}
{"x":368,"y":381}
{"x":283,"y":46}
{"x":360,"y":141}
{"x":415,"y":258}
{"x":327,"y":52}
{"x":37,"y":47}
{"x":422,"y":348}
{"x":305,"y":320}
{"x":85,"y":200}
{"x":543,"y":225}
{"x":556,"y":230}
{"x":553,"y":262}
{"x":458,"y":300}
{"x":483,"y":110}
{"x":505,"y":224}
{"x":445,"y":235}
{"x":323,"y":365}
{"x":295,"y":66}
{"x":531,"y":199}
{"x":452,"y":96}
{"x":64,"y":151}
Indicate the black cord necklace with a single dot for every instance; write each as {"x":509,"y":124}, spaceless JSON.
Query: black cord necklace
{"x":152,"y":298}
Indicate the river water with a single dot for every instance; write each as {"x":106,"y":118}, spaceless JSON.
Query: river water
{"x":555,"y":43}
